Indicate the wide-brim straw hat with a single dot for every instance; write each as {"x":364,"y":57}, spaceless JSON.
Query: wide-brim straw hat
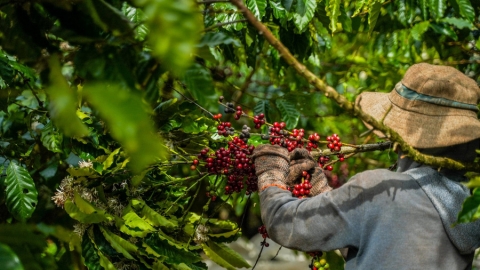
{"x":432,"y":106}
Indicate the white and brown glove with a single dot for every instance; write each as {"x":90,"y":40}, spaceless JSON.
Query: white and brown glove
{"x":271,"y":166}
{"x":301,"y":160}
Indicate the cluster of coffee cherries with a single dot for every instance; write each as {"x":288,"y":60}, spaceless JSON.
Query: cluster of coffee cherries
{"x":259,"y":120}
{"x":245,"y":134}
{"x":230,"y":108}
{"x":334,"y":143}
{"x":210,"y":193}
{"x":217,"y":116}
{"x":225,"y":129}
{"x":319,"y":264}
{"x":302,"y":189}
{"x":322,"y":161}
{"x":232,"y":161}
{"x":278,"y":136}
{"x":313,"y":141}
{"x":263,"y":231}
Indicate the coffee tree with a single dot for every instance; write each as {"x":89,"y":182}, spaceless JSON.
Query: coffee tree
{"x":127,"y":126}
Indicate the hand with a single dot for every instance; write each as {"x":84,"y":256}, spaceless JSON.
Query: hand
{"x":300,"y":160}
{"x":319,"y":182}
{"x":271,"y":166}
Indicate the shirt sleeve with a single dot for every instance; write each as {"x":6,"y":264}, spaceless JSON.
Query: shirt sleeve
{"x":328,"y":221}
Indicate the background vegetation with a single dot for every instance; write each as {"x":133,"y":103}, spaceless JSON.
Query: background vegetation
{"x":105,"y":104}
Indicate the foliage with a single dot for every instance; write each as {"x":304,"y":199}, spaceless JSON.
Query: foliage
{"x":106,"y":103}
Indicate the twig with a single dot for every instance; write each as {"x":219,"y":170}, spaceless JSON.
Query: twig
{"x":222,"y":24}
{"x":40,"y":103}
{"x":192,"y":101}
{"x":260,"y":253}
{"x":185,"y":193}
{"x":28,"y":108}
{"x":343,"y":102}
{"x":278,"y":251}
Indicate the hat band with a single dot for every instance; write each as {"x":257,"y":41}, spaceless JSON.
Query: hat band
{"x":411,"y":94}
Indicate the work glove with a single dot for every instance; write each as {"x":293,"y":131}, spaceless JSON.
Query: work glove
{"x":319,"y":182}
{"x":301,"y":160}
{"x":271,"y":166}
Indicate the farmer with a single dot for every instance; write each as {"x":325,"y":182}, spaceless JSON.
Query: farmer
{"x":401,"y":219}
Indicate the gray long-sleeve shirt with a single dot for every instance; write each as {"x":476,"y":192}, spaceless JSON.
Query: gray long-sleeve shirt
{"x":388,"y":220}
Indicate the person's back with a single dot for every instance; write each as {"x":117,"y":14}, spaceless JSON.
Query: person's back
{"x":387,"y":220}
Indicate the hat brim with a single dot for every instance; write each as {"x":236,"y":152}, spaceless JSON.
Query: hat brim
{"x":417,"y":129}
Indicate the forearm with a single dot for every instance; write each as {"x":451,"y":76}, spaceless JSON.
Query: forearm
{"x":311,"y":224}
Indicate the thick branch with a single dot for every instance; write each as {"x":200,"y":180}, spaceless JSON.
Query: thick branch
{"x":352,"y":149}
{"x":331,"y":93}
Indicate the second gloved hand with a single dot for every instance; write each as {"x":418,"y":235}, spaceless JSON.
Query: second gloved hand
{"x":301,"y":160}
{"x":271,"y":166}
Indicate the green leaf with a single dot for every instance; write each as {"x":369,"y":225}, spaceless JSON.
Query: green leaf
{"x":105,"y":262}
{"x":418,"y":30}
{"x":51,"y":139}
{"x":101,"y":243}
{"x":444,"y":30}
{"x":466,"y":10}
{"x":173,"y":254}
{"x":477,"y":44}
{"x":334,"y":260}
{"x":359,"y":6}
{"x":212,"y":39}
{"x":279,"y":11}
{"x":119,"y":244}
{"x":133,"y":224}
{"x":21,"y":235}
{"x":470,"y":208}
{"x":89,"y":254}
{"x":257,"y":7}
{"x":423,"y":7}
{"x":63,"y":102}
{"x":78,"y":172}
{"x":128,"y":123}
{"x":333,"y":11}
{"x":199,"y":81}
{"x":374,"y":11}
{"x":345,"y":20}
{"x":85,"y":212}
{"x":175,"y":28}
{"x":108,"y":17}
{"x":20,"y":191}
{"x":152,"y":217}
{"x":157,"y":265}
{"x":137,"y":17}
{"x":290,"y":115}
{"x":437,"y":7}
{"x":457,"y":22}
{"x":226,"y":235}
{"x":304,"y":14}
{"x":109,"y":161}
{"x":263,"y":106}
{"x":224,"y":256}
{"x":287,"y":4}
{"x":9,"y":259}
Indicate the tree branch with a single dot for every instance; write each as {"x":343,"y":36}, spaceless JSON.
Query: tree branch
{"x":331,"y":93}
{"x":222,"y":24}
